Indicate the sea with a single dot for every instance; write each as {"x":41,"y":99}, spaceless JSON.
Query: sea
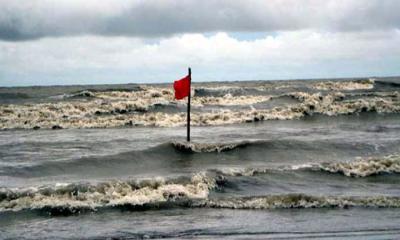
{"x":296,"y":159}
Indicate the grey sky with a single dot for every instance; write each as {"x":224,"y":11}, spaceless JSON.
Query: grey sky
{"x":25,"y":20}
{"x":117,"y":41}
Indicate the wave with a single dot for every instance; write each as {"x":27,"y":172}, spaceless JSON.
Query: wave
{"x":141,"y":108}
{"x":230,"y":100}
{"x":388,"y":83}
{"x":144,"y":160}
{"x":194,"y":191}
{"x":73,"y":198}
{"x":66,"y":199}
{"x":300,"y":201}
{"x":80,"y":94}
{"x":210,"y":147}
{"x":217,"y":233}
{"x":131,"y":162}
{"x":15,"y":95}
{"x":358,"y":168}
{"x":345,"y":85}
{"x":93,"y":92}
{"x":334,"y":104}
{"x":221,"y":91}
{"x":364,"y":167}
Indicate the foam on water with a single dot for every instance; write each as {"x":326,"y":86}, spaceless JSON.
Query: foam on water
{"x":77,"y":197}
{"x":68,"y":115}
{"x":229,"y":100}
{"x":365,"y":167}
{"x":307,"y":164}
{"x":347,"y":86}
{"x":300,"y":201}
{"x":194,"y":191}
{"x":209,"y":147}
{"x":107,"y":109}
{"x":359,"y":168}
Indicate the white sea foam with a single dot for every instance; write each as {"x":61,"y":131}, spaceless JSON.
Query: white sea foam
{"x":229,"y":100}
{"x":361,"y":167}
{"x":238,"y":172}
{"x":208,"y":147}
{"x":108,"y":194}
{"x":300,"y":201}
{"x":121,"y":108}
{"x":365,"y":167}
{"x":345,"y":85}
{"x":195,"y":190}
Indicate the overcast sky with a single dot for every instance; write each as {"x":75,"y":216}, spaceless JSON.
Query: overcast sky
{"x":46,"y":42}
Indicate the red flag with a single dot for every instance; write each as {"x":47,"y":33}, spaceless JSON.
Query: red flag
{"x":182,"y":87}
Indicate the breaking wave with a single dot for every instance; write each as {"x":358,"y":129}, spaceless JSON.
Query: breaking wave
{"x":73,"y":198}
{"x":168,"y":152}
{"x":365,"y":167}
{"x":300,"y":201}
{"x":209,"y":147}
{"x":106,"y":109}
{"x":345,"y":85}
{"x":227,"y":90}
{"x":80,"y":94}
{"x":194,"y":191}
{"x":358,"y":168}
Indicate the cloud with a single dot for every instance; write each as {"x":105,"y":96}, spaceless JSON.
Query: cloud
{"x":25,"y":20}
{"x":296,"y":54}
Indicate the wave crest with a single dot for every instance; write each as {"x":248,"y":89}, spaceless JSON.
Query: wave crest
{"x":345,"y":85}
{"x":358,"y":168}
{"x":301,"y":201}
{"x":208,"y":147}
{"x":140,"y":108}
{"x":365,"y":167}
{"x":76,"y":197}
{"x":194,"y":191}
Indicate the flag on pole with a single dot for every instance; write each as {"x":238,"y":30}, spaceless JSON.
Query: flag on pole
{"x":182,"y":90}
{"x":182,"y":87}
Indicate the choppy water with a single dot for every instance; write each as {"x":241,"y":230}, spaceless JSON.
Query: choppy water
{"x":289,"y":159}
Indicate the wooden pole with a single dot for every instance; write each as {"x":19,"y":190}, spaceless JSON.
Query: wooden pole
{"x":188,"y":106}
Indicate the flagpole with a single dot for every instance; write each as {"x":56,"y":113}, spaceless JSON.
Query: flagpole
{"x":188,"y":105}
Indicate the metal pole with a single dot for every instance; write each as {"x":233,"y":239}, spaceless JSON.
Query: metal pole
{"x":188,"y":106}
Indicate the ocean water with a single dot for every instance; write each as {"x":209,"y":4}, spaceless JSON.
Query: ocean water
{"x":267,"y":160}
